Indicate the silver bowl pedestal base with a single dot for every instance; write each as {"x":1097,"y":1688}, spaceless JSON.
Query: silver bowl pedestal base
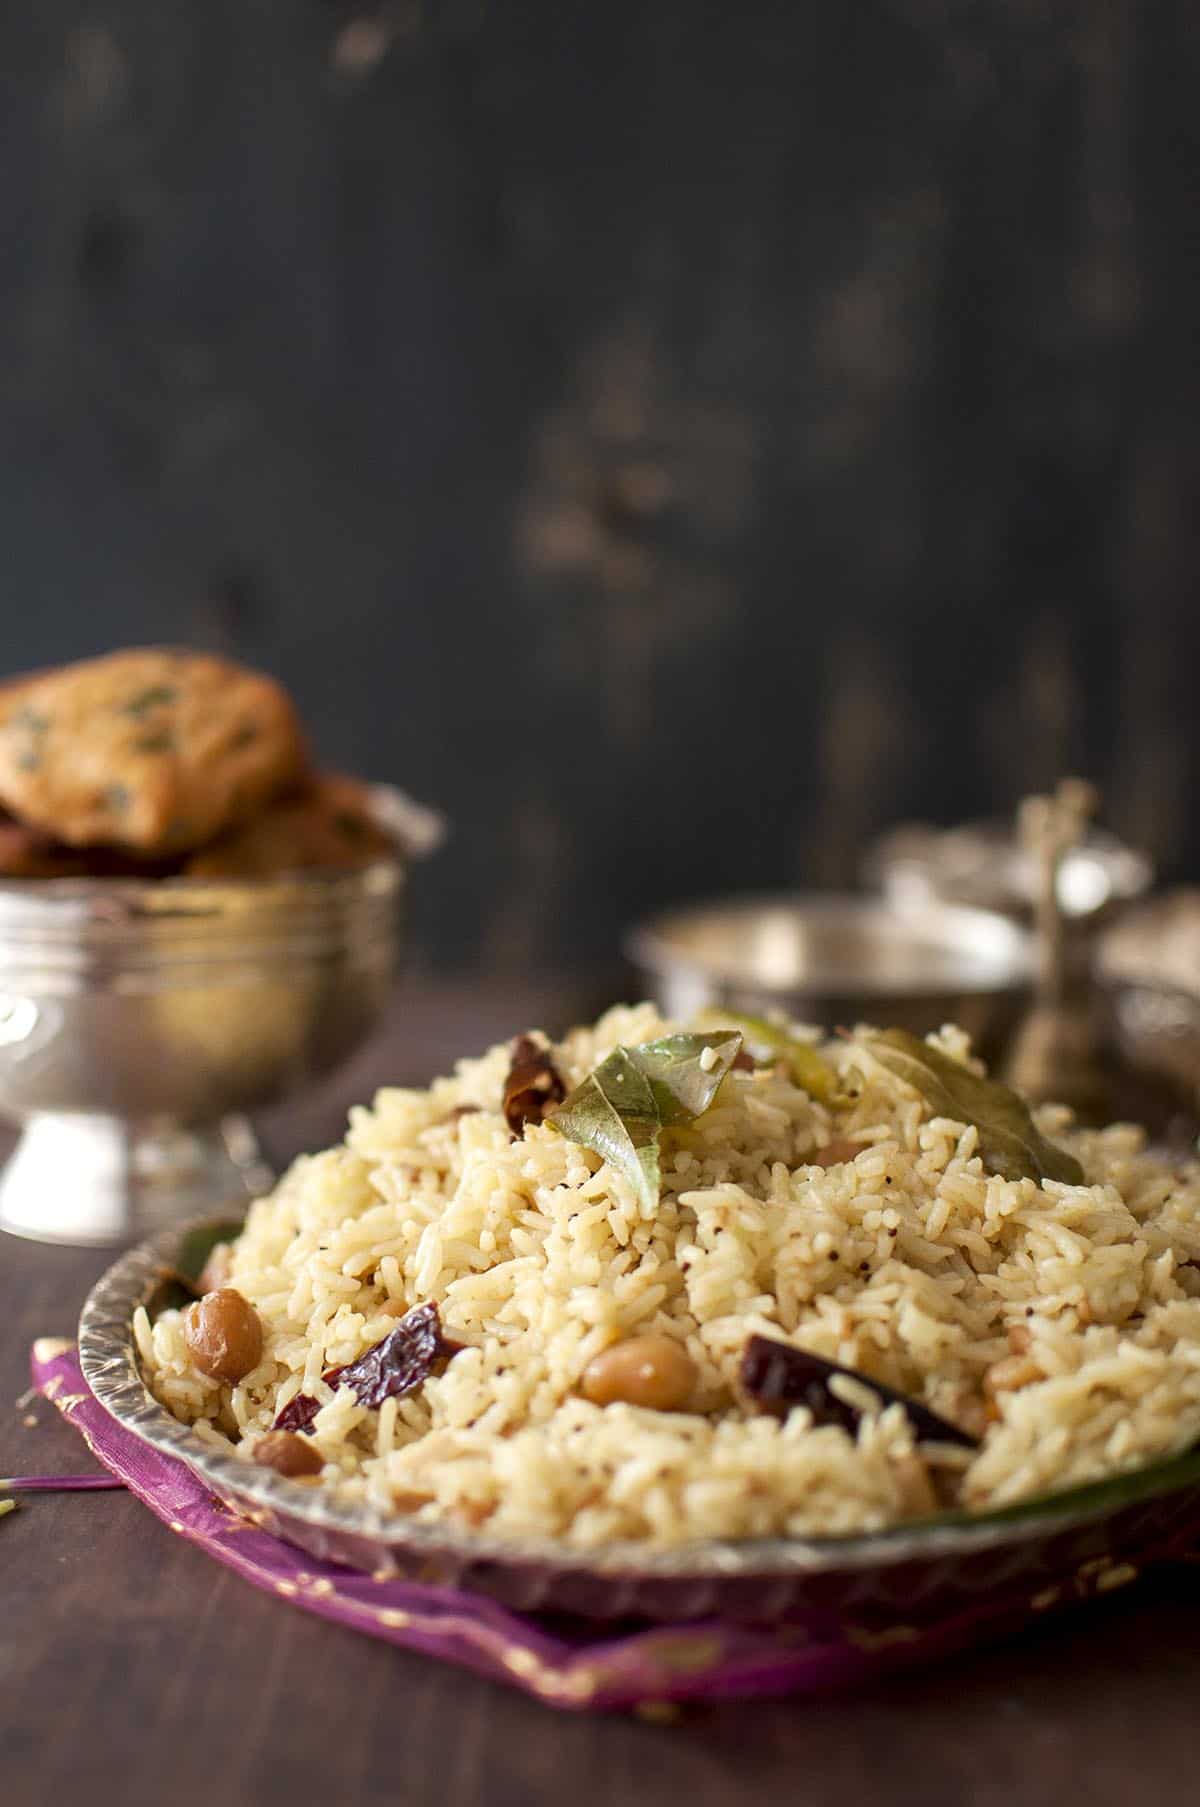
{"x":98,"y":1180}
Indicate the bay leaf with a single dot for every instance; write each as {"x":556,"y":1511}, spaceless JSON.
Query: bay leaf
{"x":682,"y":1084}
{"x":620,"y":1110}
{"x":1010,"y":1143}
{"x":806,"y":1064}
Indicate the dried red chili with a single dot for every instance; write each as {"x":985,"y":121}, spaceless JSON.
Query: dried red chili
{"x":533,"y":1085}
{"x":779,"y":1376}
{"x":399,"y":1364}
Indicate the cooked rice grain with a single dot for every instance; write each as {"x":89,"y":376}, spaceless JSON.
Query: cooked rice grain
{"x":909,"y":1264}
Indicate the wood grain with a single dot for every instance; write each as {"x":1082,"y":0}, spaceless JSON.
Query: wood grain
{"x":133,"y":1669}
{"x":676,"y":443}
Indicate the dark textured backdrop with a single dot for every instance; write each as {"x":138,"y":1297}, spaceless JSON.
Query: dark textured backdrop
{"x":675,"y":439}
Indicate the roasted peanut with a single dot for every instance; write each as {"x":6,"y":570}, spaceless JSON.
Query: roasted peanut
{"x":651,"y":1370}
{"x":288,"y":1453}
{"x":224,"y":1334}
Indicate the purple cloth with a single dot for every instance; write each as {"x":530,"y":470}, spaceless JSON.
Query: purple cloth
{"x":587,"y":1666}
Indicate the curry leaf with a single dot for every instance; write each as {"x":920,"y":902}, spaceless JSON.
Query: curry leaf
{"x":199,"y":1244}
{"x":1010,"y":1143}
{"x":809,"y":1068}
{"x":185,"y":1279}
{"x":621,"y":1108}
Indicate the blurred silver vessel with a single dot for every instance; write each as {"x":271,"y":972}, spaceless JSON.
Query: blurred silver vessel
{"x":140,"y":1019}
{"x":830,"y":959}
{"x":985,"y":865}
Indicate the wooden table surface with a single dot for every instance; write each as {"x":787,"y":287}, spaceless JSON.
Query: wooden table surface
{"x":133,"y":1668}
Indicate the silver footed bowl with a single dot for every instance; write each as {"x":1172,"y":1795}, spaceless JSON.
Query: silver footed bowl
{"x":1039,"y":1550}
{"x":139,"y":1020}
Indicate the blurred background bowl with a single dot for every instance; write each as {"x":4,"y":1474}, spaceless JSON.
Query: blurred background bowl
{"x":983,"y":864}
{"x":140,"y":1019}
{"x":831,"y":959}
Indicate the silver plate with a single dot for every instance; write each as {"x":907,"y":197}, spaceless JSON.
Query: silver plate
{"x":918,"y":1569}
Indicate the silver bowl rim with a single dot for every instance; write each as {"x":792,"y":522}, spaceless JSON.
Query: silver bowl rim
{"x":94,"y":931}
{"x":650,"y":946}
{"x":128,"y":889}
{"x":110,"y":1363}
{"x":102,"y":939}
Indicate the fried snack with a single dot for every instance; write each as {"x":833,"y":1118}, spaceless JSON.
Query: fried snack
{"x":28,"y":853}
{"x":330,"y":824}
{"x":25,"y":853}
{"x":153,"y":751}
